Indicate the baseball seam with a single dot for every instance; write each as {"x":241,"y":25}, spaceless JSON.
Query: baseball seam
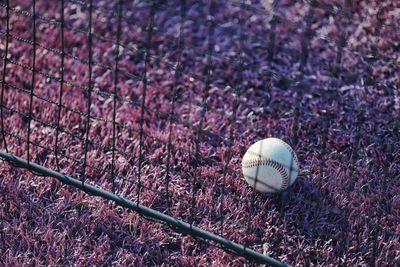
{"x":270,"y":163}
{"x":294,"y":156}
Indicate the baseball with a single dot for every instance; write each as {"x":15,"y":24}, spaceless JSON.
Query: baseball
{"x":270,"y":165}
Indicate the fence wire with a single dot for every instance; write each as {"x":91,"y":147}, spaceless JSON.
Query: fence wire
{"x":158,"y":101}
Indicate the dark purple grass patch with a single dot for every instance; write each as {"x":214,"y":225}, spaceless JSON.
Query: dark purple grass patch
{"x":324,"y":81}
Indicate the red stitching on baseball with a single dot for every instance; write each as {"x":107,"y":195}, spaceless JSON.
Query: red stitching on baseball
{"x":294,"y":156}
{"x":271,"y":163}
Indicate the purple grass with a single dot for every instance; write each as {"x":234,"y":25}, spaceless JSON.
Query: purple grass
{"x":338,"y":107}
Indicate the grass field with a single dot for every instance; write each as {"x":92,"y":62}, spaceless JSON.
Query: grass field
{"x":194,"y":84}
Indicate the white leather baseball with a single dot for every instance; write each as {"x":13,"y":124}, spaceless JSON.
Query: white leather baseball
{"x":270,"y":165}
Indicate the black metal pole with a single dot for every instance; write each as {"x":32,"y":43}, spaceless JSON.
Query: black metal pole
{"x":192,"y":230}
